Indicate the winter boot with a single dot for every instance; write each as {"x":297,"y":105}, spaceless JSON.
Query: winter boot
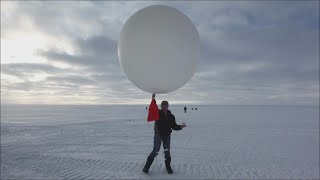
{"x":147,"y":166}
{"x":168,"y":166}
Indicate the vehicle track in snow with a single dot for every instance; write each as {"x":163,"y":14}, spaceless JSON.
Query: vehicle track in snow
{"x":74,"y":168}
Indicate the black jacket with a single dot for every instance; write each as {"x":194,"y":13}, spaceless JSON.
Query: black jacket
{"x":166,"y":123}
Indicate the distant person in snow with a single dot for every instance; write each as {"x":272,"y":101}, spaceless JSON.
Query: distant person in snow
{"x":162,"y":131}
{"x":185,"y":109}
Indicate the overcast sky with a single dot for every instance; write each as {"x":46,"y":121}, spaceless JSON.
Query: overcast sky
{"x":253,"y":53}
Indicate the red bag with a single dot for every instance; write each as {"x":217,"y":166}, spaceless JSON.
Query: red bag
{"x":153,"y":114}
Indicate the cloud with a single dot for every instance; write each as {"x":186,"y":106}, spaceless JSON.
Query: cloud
{"x":78,"y":80}
{"x":252,"y":52}
{"x":24,"y":70}
{"x":95,"y":51}
{"x":263,"y":56}
{"x":97,"y":45}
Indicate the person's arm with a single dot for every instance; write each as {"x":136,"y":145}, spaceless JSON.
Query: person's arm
{"x":175,"y":126}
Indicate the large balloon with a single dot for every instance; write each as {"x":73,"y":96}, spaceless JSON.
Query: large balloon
{"x":158,"y":49}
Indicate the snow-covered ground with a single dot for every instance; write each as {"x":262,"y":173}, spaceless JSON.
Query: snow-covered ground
{"x":109,"y":142}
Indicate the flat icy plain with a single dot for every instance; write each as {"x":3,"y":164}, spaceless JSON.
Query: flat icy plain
{"x":113,"y":142}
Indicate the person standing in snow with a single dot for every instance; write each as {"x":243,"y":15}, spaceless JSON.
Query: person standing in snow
{"x":162,"y":131}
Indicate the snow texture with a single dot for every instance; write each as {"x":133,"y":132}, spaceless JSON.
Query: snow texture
{"x":113,"y":142}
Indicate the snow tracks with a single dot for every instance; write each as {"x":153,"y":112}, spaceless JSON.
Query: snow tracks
{"x":73,"y":168}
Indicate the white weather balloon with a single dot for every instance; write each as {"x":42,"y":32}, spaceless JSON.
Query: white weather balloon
{"x":158,"y":49}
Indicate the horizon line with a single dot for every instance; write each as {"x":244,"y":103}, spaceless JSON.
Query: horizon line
{"x":119,"y":104}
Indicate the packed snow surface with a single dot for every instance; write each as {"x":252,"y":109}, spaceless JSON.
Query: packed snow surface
{"x":113,"y":142}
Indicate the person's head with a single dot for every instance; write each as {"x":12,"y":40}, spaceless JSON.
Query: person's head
{"x":164,"y":105}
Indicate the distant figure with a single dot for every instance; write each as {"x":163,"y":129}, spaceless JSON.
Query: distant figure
{"x":185,"y":109}
{"x":147,"y":108}
{"x":191,"y":108}
{"x":162,"y":131}
{"x":195,"y":109}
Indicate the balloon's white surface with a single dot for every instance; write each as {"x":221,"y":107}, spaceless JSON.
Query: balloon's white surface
{"x":158,"y":49}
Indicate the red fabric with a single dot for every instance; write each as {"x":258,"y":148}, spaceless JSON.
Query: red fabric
{"x":153,"y":114}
